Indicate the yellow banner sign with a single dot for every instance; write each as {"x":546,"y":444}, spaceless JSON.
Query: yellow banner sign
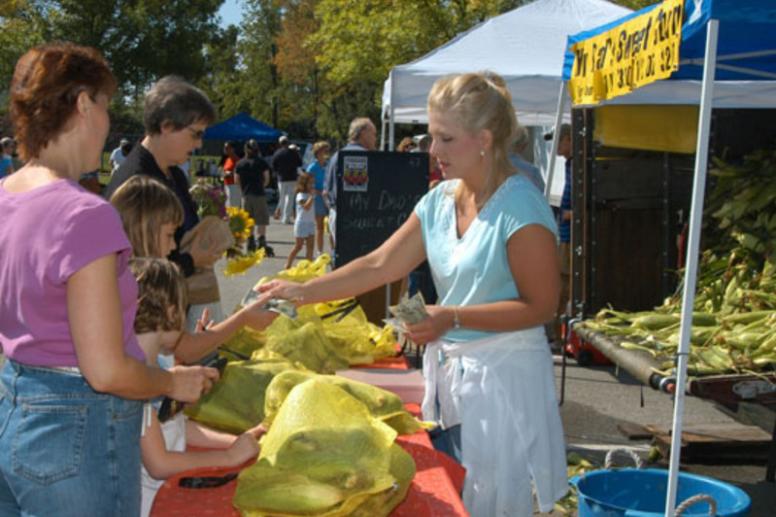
{"x":637,"y":52}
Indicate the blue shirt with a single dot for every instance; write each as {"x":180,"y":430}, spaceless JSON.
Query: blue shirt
{"x":318,"y":172}
{"x":474,"y":269}
{"x":564,"y":226}
{"x":5,"y":162}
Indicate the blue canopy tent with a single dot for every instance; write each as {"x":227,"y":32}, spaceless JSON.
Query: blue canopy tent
{"x":727,"y":59}
{"x":242,"y":127}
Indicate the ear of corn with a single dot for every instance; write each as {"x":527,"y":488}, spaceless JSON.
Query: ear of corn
{"x":734,"y":319}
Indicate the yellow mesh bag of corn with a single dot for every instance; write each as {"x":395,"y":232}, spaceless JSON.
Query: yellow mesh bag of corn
{"x":381,"y":404}
{"x":303,"y":342}
{"x":303,"y":271}
{"x":352,"y":335}
{"x":325,"y":455}
{"x":236,"y":402}
{"x":246,"y":340}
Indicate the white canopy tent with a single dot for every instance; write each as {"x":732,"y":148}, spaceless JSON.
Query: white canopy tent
{"x":525,"y":46}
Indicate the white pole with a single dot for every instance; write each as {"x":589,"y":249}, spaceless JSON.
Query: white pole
{"x":691,"y":262}
{"x":555,"y":133}
{"x":382,"y":129}
{"x":392,"y":123}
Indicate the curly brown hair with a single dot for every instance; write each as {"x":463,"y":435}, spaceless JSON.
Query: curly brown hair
{"x":145,"y":204}
{"x":161,"y":287}
{"x":45,"y":86}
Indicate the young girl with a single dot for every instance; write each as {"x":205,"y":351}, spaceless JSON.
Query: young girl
{"x":158,"y":325}
{"x":304,"y":226}
{"x":150,"y":213}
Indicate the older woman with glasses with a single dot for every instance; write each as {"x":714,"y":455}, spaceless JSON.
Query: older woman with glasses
{"x":175,"y":116}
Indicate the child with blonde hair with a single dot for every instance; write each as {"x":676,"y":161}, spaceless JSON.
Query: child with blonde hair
{"x":304,"y":226}
{"x":150,"y":213}
{"x":159,"y":325}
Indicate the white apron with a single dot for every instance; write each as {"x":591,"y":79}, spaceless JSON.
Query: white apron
{"x":501,"y":390}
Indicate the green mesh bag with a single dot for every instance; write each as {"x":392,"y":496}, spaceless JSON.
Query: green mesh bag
{"x":325,"y":455}
{"x":236,"y":402}
{"x":381,"y":404}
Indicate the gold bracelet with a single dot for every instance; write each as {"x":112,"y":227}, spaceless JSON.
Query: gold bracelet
{"x":456,"y":319}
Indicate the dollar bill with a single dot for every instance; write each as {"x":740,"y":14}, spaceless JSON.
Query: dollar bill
{"x":410,"y":310}
{"x":279,"y":305}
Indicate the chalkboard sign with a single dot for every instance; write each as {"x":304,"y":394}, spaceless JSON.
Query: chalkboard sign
{"x":376,"y":192}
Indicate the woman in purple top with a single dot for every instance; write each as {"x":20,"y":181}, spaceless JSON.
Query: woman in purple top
{"x":74,"y":376}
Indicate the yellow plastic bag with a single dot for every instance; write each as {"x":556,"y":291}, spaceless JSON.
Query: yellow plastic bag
{"x":303,"y":271}
{"x":325,"y":455}
{"x":304,"y":343}
{"x":245,"y":341}
{"x":236,"y":402}
{"x":381,"y":404}
{"x":352,"y":335}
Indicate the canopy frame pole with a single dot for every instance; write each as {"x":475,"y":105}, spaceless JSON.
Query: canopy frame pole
{"x":392,"y":121}
{"x":693,"y":245}
{"x":555,"y":134}
{"x":382,"y":130}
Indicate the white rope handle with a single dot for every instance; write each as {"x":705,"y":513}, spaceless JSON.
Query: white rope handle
{"x":697,"y":499}
{"x":633,"y":456}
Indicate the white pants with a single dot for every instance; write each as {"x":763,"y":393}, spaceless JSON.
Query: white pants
{"x":233,"y":196}
{"x":286,"y":200}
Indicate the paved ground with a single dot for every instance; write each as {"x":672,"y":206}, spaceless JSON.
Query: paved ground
{"x":596,"y":398}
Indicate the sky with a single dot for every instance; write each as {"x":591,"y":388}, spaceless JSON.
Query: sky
{"x":230,"y":12}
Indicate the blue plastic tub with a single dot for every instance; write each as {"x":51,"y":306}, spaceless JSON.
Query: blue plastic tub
{"x":642,"y":493}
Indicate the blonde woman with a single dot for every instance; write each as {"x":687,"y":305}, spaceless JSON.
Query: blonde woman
{"x":490,"y":240}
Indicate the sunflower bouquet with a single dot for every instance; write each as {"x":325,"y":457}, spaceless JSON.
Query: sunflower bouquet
{"x":241,"y":225}
{"x":210,"y":199}
{"x":211,"y":202}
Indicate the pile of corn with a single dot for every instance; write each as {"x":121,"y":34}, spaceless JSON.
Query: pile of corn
{"x":576,"y":465}
{"x":734,"y":323}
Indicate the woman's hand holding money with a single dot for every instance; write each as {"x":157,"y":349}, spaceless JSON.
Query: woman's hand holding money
{"x":286,"y":290}
{"x":439,"y":321}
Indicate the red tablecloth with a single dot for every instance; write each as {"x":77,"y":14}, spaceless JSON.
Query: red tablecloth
{"x":390,"y":363}
{"x":433,"y":492}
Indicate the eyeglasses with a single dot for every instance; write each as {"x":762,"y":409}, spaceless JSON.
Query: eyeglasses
{"x":196,"y":134}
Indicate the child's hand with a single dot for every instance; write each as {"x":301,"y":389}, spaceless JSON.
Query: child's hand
{"x":204,"y":322}
{"x":255,"y":316}
{"x":244,"y":448}
{"x":258,"y":431}
{"x":189,"y":383}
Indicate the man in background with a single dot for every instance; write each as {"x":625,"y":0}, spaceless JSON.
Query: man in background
{"x":252,"y":175}
{"x":286,"y":164}
{"x":523,"y":166}
{"x":119,"y":154}
{"x":362,"y":136}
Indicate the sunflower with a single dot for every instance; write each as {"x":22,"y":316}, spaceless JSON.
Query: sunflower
{"x":240,"y":223}
{"x":239,"y":264}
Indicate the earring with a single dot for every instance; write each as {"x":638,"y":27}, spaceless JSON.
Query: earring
{"x":482,"y":153}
